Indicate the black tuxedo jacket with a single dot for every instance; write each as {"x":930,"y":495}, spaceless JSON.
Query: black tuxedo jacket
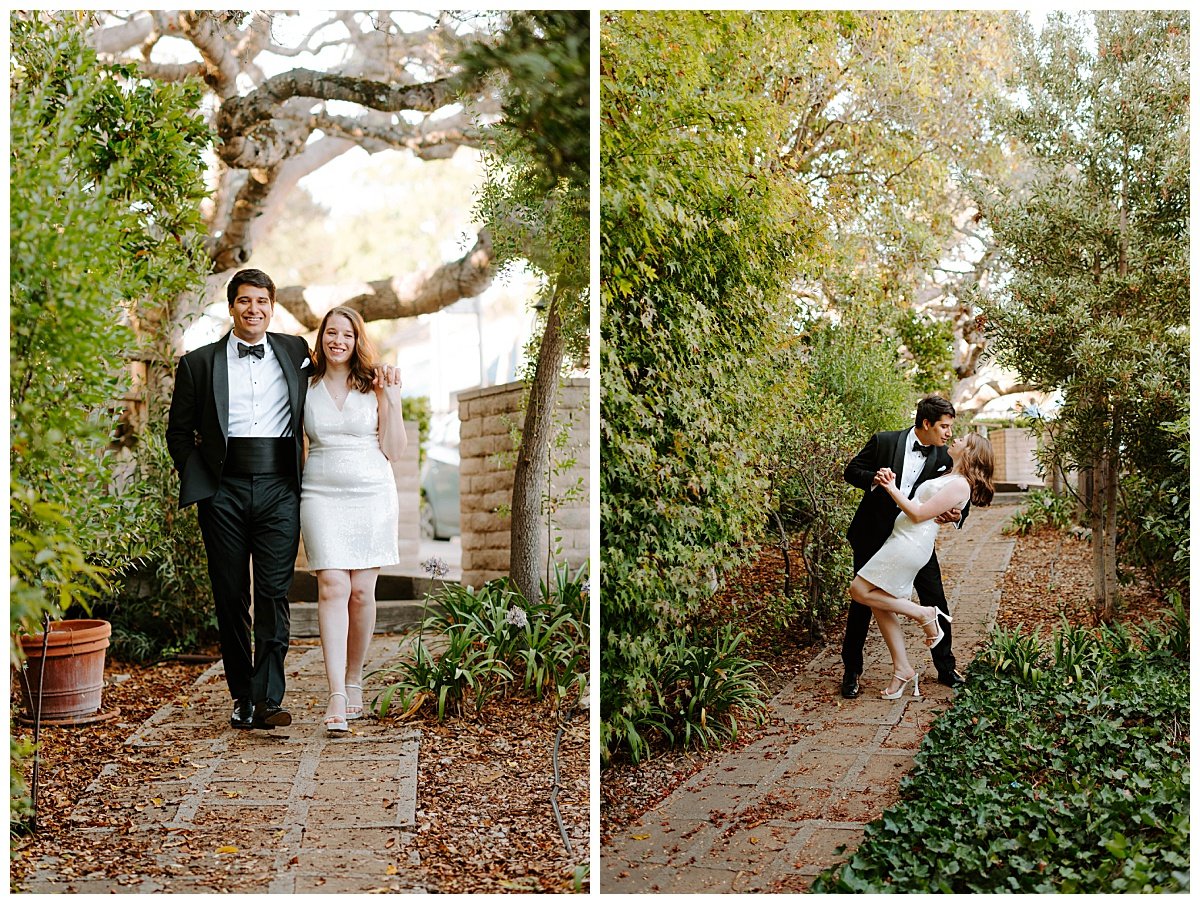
{"x":198,"y":423}
{"x":877,"y":512}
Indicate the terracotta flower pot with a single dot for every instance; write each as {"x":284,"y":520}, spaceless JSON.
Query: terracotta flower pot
{"x":74,"y":669}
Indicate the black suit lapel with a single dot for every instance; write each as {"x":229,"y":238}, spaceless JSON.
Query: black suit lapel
{"x":220,"y":382}
{"x":933,"y":461}
{"x":291,"y":377}
{"x":898,"y":455}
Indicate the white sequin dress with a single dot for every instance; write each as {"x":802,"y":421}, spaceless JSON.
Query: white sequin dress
{"x":908,"y":549}
{"x":348,"y":506}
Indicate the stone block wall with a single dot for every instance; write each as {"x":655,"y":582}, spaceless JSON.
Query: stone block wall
{"x":1015,"y":451}
{"x":488,"y":459}
{"x":408,"y":492}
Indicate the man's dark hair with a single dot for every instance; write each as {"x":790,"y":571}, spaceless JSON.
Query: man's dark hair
{"x":933,"y":408}
{"x":249,"y":278}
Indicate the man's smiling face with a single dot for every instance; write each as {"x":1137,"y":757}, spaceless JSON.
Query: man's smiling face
{"x":251,"y":312}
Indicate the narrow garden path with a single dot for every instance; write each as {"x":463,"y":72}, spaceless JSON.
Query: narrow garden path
{"x":770,"y":816}
{"x":200,"y":807}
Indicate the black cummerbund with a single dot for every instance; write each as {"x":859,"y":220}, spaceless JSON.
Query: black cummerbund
{"x":249,"y":455}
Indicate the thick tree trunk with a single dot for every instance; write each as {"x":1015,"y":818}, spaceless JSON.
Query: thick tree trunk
{"x":1099,"y":547}
{"x":532,"y":478}
{"x":1111,"y":593}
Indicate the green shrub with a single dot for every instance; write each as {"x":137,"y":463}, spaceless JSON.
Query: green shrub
{"x":1043,"y":508}
{"x":164,"y":603}
{"x":704,"y":688}
{"x":1059,"y":769}
{"x":1156,"y":507}
{"x":702,"y":691}
{"x":845,"y":393}
{"x":105,"y":176}
{"x":445,"y":677}
{"x":698,"y":237}
{"x":493,"y":638}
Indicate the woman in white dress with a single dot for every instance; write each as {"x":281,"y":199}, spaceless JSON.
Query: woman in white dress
{"x":885,"y":583}
{"x":354,"y":427}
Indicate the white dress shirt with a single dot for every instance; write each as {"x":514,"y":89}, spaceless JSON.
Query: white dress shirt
{"x":914,"y":463}
{"x":258,"y":394}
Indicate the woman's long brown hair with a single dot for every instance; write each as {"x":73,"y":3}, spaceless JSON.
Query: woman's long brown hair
{"x":977,"y":464}
{"x":362,"y":359}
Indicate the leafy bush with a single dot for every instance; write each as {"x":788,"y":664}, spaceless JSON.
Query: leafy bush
{"x":845,"y":392}
{"x":697,"y":238}
{"x":1156,"y":505}
{"x":105,"y":173}
{"x":1060,"y":769}
{"x":489,"y":638}
{"x":701,"y":693}
{"x":164,"y":604}
{"x":931,"y":344}
{"x":704,"y":688}
{"x":1043,"y":508}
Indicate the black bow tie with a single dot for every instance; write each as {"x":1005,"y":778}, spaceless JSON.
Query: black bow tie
{"x":256,"y":350}
{"x":924,"y":450}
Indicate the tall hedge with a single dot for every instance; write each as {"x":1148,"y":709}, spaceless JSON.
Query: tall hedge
{"x":698,"y":229}
{"x":105,"y":181}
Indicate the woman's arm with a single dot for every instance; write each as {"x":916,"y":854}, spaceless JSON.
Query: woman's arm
{"x":948,"y":497}
{"x":393,"y":439}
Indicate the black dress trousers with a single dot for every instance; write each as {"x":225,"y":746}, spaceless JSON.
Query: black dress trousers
{"x":928,"y":585}
{"x":252,"y":525}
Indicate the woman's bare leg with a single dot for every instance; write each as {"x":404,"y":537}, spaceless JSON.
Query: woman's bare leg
{"x":893,"y":636}
{"x":333,"y":596}
{"x":361,"y":629}
{"x":863,"y":591}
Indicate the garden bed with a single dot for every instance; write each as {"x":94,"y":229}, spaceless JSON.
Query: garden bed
{"x":1063,"y":768}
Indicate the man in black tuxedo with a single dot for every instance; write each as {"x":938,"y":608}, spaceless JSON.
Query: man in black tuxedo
{"x":912,"y":456}
{"x":235,"y":434}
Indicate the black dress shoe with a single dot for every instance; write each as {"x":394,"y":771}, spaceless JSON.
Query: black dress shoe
{"x":951,"y":678}
{"x":850,"y":688}
{"x":271,"y":715}
{"x":243,"y":713}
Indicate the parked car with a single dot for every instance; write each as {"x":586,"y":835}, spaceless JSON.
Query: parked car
{"x":439,"y":493}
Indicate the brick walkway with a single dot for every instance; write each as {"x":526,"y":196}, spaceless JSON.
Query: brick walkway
{"x":769,"y":817}
{"x":294,"y":810}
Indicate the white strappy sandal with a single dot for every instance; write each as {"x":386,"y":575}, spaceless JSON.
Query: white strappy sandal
{"x":336,"y":726}
{"x":354,"y":712}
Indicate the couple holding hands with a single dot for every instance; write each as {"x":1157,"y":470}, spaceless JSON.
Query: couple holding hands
{"x":250,"y":414}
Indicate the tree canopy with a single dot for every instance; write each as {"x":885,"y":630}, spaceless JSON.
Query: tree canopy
{"x":1095,"y":250}
{"x":367,"y":79}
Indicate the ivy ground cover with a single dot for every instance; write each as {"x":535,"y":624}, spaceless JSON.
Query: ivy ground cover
{"x":1062,"y":767}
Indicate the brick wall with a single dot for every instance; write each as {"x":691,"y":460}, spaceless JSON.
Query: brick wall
{"x":488,"y":459}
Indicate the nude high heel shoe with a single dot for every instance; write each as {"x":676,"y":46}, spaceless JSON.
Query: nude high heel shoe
{"x":899,"y":692}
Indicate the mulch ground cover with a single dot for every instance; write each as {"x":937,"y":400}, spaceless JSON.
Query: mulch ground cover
{"x":484,"y":816}
{"x":1049,"y":577}
{"x":484,"y":820}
